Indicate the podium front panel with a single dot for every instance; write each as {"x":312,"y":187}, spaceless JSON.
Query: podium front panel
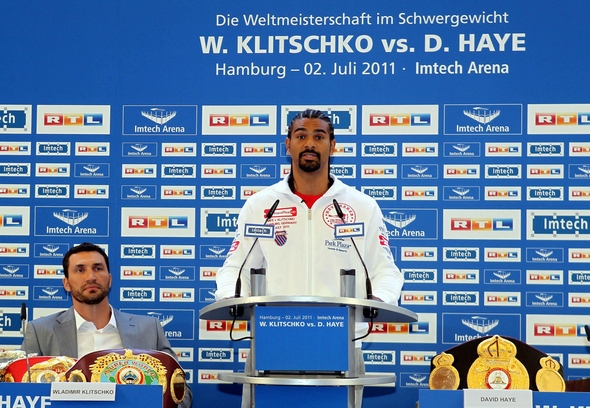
{"x":297,"y":397}
{"x":301,"y":338}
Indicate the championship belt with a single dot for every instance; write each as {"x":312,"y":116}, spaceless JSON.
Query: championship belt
{"x":133,"y":367}
{"x":44,"y":369}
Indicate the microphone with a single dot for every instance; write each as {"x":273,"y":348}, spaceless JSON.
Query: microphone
{"x":587,"y":329}
{"x":23,"y":319}
{"x":238,"y":311}
{"x":367,"y":312}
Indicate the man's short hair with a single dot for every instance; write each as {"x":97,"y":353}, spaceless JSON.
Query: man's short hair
{"x":312,"y":114}
{"x":83,"y":247}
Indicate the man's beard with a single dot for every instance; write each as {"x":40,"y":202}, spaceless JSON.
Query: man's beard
{"x":92,"y":299}
{"x":309,"y":166}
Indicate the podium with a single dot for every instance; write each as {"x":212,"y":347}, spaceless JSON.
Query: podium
{"x":302,"y":347}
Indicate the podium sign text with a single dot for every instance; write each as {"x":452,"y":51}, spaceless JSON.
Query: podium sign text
{"x":301,"y":338}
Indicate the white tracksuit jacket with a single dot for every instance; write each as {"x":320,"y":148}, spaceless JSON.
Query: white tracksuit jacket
{"x":304,"y":258}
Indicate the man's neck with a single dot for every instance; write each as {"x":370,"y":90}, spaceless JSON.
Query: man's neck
{"x":99,"y":314}
{"x":313,"y":184}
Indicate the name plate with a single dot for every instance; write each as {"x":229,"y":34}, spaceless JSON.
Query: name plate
{"x":82,"y":391}
{"x":301,"y":338}
{"x":480,"y":398}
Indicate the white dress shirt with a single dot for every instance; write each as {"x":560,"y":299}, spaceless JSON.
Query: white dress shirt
{"x":91,"y":339}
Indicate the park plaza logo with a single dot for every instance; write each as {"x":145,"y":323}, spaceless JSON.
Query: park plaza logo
{"x":15,"y":148}
{"x":558,"y":118}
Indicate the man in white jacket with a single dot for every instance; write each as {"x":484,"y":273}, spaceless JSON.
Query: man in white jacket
{"x":305,"y":258}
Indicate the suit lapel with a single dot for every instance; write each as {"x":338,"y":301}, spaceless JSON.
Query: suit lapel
{"x":65,"y":330}
{"x":128,"y":330}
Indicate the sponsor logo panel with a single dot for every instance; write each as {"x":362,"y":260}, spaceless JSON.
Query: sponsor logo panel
{"x":154,"y":120}
{"x":74,"y":119}
{"x":343,"y":117}
{"x":152,"y":222}
{"x":239,"y":120}
{"x":400,"y":119}
{"x":77,"y":221}
{"x":476,"y":120}
{"x":558,"y":119}
{"x":16,"y":119}
{"x":481,"y":224}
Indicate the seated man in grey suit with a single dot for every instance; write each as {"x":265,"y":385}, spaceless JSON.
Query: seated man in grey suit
{"x":92,"y":323}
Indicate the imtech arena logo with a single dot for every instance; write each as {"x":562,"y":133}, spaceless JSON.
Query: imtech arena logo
{"x":138,"y":192}
{"x":177,"y":252}
{"x":139,"y":171}
{"x":15,"y":169}
{"x":178,"y":193}
{"x":400,"y":119}
{"x":177,"y":295}
{"x":503,"y":149}
{"x":10,"y":322}
{"x":461,"y":193}
{"x":14,"y":250}
{"x":74,"y":119}
{"x":545,"y":171}
{"x":149,"y":149}
{"x":558,"y":224}
{"x":15,"y":148}
{"x":49,"y":272}
{"x":259,"y":149}
{"x":53,"y":148}
{"x":379,"y":150}
{"x":214,"y":252}
{"x":15,"y":119}
{"x":52,"y":170}
{"x":93,"y":149}
{"x":257,"y":171}
{"x":148,"y":222}
{"x":218,"y":192}
{"x":481,"y":224}
{"x":578,"y":171}
{"x":546,"y":149}
{"x":219,"y":149}
{"x":138,"y":251}
{"x":179,"y":171}
{"x":160,"y":120}
{"x":411,"y":223}
{"x":558,"y":119}
{"x":50,"y":293}
{"x":462,"y":327}
{"x":102,"y":170}
{"x":14,"y":190}
{"x":420,"y":275}
{"x":178,"y":324}
{"x":380,"y":192}
{"x":502,"y":276}
{"x":469,"y":276}
{"x":239,"y":120}
{"x":177,"y":273}
{"x":218,"y":171}
{"x":545,"y":255}
{"x":502,"y":193}
{"x":420,"y":149}
{"x":49,"y":250}
{"x":179,"y":149}
{"x":578,"y":255}
{"x":378,"y":171}
{"x":75,"y":221}
{"x":414,"y":380}
{"x":14,"y":271}
{"x":461,"y":149}
{"x":138,"y":294}
{"x":503,"y":119}
{"x":137,"y":272}
{"x":461,"y":171}
{"x":544,"y":299}
{"x":343,"y":117}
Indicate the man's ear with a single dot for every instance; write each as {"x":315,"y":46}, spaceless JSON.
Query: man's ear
{"x":288,"y":144}
{"x":332,"y":146}
{"x":66,"y":284}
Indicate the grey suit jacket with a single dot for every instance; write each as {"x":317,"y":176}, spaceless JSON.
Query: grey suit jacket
{"x":56,"y":335}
